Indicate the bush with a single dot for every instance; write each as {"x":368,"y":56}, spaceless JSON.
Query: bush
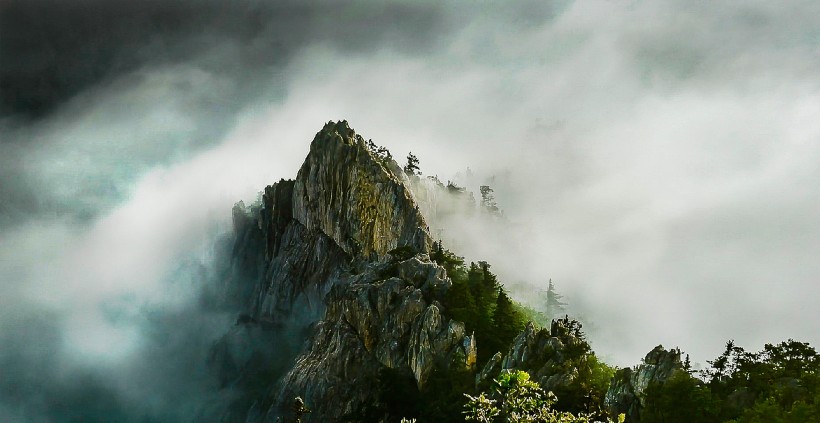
{"x":516,"y":398}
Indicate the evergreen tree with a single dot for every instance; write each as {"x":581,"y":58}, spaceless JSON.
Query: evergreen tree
{"x":488,"y":203}
{"x":452,"y":188}
{"x":381,"y":153}
{"x":508,"y":320}
{"x":461,"y":304}
{"x":412,"y":166}
{"x":681,"y":398}
{"x":437,"y":253}
{"x":554,"y":304}
{"x":484,"y":300}
{"x":475,"y":280}
{"x":489,"y":280}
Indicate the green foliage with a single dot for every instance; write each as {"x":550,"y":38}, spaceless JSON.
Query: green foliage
{"x":530,"y":314}
{"x":516,"y":398}
{"x":412,"y":166}
{"x":771,"y":411}
{"x":442,"y":399}
{"x":398,"y":393}
{"x":777,"y":384}
{"x":552,"y":301}
{"x":586,"y":392}
{"x":447,"y":259}
{"x":682,"y":398}
{"x":381,"y":153}
{"x":478,"y":299}
{"x":784,"y":373}
{"x":488,"y":203}
{"x":509,"y":321}
{"x":461,"y":304}
{"x":597,"y":378}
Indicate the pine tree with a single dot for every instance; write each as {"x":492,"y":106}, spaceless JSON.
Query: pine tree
{"x":554,"y":304}
{"x":488,"y":200}
{"x":508,"y":321}
{"x":412,"y":166}
{"x":459,"y":300}
{"x":437,"y":253}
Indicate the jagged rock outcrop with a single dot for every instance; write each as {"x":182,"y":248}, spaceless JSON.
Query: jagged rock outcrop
{"x":490,"y":371}
{"x":342,"y":250}
{"x":345,"y":203}
{"x":355,"y":197}
{"x":279,"y":264}
{"x":549,"y":356}
{"x":375,"y":319}
{"x":627,"y":391}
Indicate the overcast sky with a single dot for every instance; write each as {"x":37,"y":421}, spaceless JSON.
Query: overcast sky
{"x":659,"y":160}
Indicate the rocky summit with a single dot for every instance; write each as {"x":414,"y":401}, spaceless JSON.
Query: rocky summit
{"x":331,"y":277}
{"x":333,"y":267}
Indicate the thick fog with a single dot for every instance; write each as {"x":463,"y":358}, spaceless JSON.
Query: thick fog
{"x":657,"y":160}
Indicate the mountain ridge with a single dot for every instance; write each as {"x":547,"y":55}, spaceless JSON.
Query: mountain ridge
{"x":337,"y":289}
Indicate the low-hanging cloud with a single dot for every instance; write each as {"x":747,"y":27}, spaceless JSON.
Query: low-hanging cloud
{"x":656,"y":160}
{"x":651,"y":190}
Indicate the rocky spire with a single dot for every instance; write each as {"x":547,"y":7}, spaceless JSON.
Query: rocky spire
{"x":355,"y":197}
{"x":347,"y":202}
{"x":316,"y":253}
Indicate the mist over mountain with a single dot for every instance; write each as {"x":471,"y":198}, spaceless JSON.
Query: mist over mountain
{"x":656,"y":160}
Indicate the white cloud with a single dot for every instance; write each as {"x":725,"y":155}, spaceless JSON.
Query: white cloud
{"x":656,"y":160}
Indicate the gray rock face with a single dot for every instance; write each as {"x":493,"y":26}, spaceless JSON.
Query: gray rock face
{"x":491,"y":370}
{"x":356,"y":198}
{"x":345,"y":204}
{"x":627,"y":391}
{"x":317,"y":253}
{"x":542,"y":353}
{"x":372,"y":323}
{"x":279,"y":264}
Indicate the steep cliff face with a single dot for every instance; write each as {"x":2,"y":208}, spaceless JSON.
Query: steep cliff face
{"x":337,"y":259}
{"x":345,"y":203}
{"x":356,"y":198}
{"x":627,"y":391}
{"x":386,"y":317}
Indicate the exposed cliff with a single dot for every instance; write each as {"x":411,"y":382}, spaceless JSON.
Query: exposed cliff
{"x":627,"y":391}
{"x":342,"y":251}
{"x":345,"y":204}
{"x":355,"y":197}
{"x":387,"y":316}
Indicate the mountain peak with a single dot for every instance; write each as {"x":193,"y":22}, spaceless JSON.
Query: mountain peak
{"x":313,"y":255}
{"x":357,"y":196}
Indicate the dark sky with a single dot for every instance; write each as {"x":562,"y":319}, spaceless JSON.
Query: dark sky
{"x":54,"y":50}
{"x":657,"y":160}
